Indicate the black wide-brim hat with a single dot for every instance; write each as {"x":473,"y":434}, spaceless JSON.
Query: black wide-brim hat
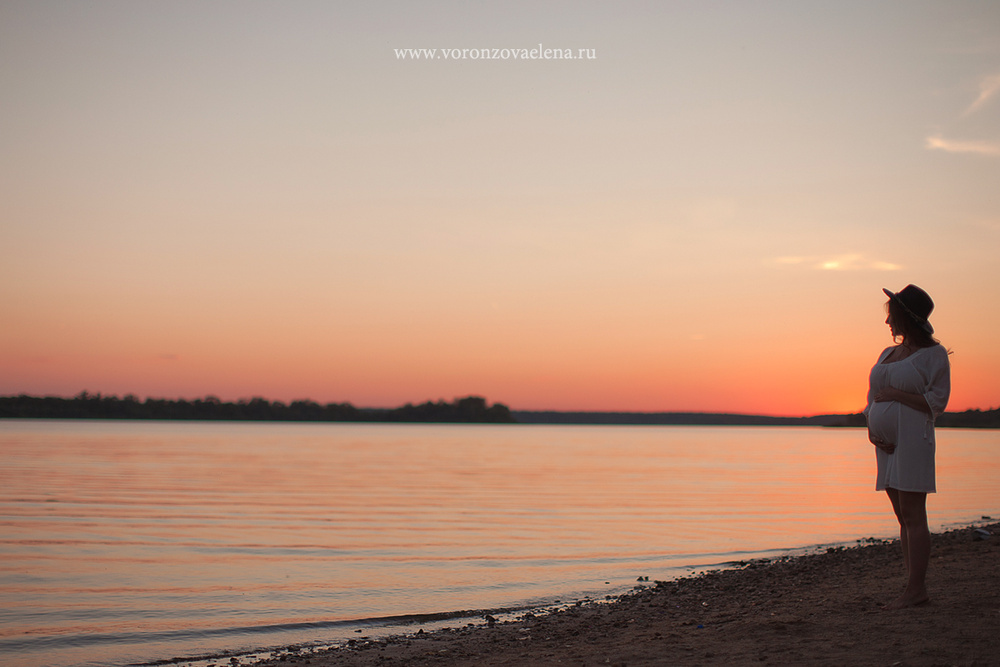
{"x":916,"y":303}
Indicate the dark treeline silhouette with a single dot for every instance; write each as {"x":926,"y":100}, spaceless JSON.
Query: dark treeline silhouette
{"x":970,"y":419}
{"x":471,"y":409}
{"x":682,"y":419}
{"x":967,"y":419}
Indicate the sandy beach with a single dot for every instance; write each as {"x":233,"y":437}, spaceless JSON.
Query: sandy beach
{"x":819,"y":609}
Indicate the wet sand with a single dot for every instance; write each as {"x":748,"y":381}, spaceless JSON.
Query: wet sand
{"x":821,"y":609}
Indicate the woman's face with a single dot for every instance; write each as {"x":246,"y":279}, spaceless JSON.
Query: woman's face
{"x":892,"y":325}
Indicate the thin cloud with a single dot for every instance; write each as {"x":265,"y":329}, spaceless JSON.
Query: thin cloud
{"x":846,"y":262}
{"x":885,"y":266}
{"x":950,"y":146}
{"x":843,"y":263}
{"x":988,"y":88}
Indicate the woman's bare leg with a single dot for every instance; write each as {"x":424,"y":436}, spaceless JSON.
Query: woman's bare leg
{"x":915,"y":536}
{"x":903,"y":542}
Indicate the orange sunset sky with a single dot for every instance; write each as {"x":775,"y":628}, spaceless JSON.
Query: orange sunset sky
{"x":261,"y":199}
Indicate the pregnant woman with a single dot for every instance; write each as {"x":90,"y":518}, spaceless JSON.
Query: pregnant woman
{"x":907,"y":389}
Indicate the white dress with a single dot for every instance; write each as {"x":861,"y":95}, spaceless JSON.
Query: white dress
{"x":926,"y":372}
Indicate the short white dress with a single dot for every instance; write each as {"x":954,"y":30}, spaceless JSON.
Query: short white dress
{"x":926,"y":372}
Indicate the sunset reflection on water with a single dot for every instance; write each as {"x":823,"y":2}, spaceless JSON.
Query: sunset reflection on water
{"x":123,"y":528}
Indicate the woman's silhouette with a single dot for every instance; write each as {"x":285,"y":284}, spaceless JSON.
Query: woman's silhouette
{"x":907,"y":389}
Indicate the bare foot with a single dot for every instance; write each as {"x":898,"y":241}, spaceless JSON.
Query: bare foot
{"x":908,"y":599}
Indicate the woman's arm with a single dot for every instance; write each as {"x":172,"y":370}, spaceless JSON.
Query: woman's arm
{"x":915,"y":401}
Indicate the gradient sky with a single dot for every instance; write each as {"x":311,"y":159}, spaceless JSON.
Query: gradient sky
{"x":260,"y":199}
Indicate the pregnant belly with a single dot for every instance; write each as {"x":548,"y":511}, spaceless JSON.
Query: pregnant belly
{"x":883,"y":421}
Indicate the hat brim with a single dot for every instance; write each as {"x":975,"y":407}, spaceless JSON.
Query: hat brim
{"x":924,"y":324}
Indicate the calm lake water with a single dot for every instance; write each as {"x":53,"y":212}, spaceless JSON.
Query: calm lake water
{"x":126,"y":542}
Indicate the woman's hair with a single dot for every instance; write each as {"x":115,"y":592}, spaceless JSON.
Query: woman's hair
{"x":908,"y":328}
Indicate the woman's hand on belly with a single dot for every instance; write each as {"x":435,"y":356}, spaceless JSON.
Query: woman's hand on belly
{"x":909,"y":399}
{"x":886,"y":395}
{"x":887,"y":447}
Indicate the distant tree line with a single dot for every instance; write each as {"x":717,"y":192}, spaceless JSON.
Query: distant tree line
{"x":681,"y":419}
{"x":471,"y":409}
{"x":970,"y":419}
{"x":967,"y":419}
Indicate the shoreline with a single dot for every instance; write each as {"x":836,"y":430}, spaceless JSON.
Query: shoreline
{"x":813,"y":609}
